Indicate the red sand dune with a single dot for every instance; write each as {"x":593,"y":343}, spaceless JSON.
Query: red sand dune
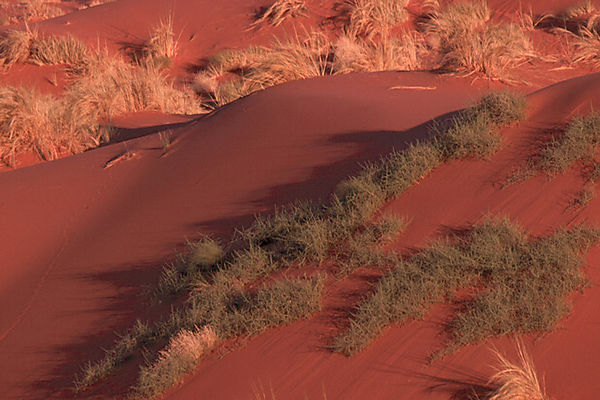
{"x":81,"y":242}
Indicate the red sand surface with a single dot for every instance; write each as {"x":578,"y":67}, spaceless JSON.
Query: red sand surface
{"x":81,"y":242}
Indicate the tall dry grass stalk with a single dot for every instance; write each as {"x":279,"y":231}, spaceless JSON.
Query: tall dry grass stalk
{"x":516,"y":380}
{"x":161,"y":48}
{"x":281,"y":10}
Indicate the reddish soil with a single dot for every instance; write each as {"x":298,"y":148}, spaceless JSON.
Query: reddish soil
{"x":81,"y":243}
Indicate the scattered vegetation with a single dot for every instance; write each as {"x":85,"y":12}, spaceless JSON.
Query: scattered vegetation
{"x":516,"y":380}
{"x":583,"y":197}
{"x":522,"y":284}
{"x":375,"y":17}
{"x":578,"y":143}
{"x":281,"y":10}
{"x":220,"y":282}
{"x":468,"y":42}
{"x":14,"y":46}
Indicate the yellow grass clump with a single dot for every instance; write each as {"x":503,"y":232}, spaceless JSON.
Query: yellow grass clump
{"x":516,"y":380}
{"x":354,"y":54}
{"x":161,"y":48}
{"x":280,"y":11}
{"x":15,"y":45}
{"x":468,"y":42}
{"x":179,"y":357}
{"x":30,"y":121}
{"x":373,"y":17}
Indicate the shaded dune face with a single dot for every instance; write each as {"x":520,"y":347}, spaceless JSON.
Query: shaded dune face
{"x":84,"y":237}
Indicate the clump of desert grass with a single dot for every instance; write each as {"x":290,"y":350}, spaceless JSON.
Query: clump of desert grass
{"x":355,"y":54}
{"x":19,"y":46}
{"x":523,"y":284}
{"x":375,"y":17}
{"x":15,"y":46}
{"x":578,"y":143}
{"x":516,"y":380}
{"x":179,"y":357}
{"x":582,"y":24}
{"x":281,"y":10}
{"x":38,"y":10}
{"x":161,"y":48}
{"x":101,"y":88}
{"x":232,"y":74}
{"x":45,"y":125}
{"x":467,"y":41}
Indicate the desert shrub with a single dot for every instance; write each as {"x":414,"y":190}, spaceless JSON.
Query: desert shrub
{"x":375,"y":17}
{"x":30,"y":121}
{"x":109,"y":86}
{"x":516,"y":380}
{"x":14,"y":46}
{"x":123,"y":349}
{"x":53,"y":50}
{"x":179,"y":357}
{"x":233,"y":74}
{"x":578,"y":142}
{"x":354,"y":54}
{"x":469,"y":43}
{"x":39,"y":10}
{"x":523,"y":284}
{"x":281,"y":10}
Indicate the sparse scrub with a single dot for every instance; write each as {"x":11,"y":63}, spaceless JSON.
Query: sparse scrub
{"x":122,"y":350}
{"x":583,"y":197}
{"x":578,"y":143}
{"x":468,"y":42}
{"x":523,"y":284}
{"x":220,"y":294}
{"x":375,"y":17}
{"x":281,"y":10}
{"x":39,"y":10}
{"x":516,"y":380}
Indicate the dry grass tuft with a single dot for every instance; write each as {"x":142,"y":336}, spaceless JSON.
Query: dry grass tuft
{"x":354,"y":54}
{"x":516,"y":380}
{"x":44,"y":124}
{"x":54,"y":50}
{"x":375,"y":17}
{"x":15,"y":45}
{"x":282,"y":10}
{"x":161,"y":48}
{"x":179,"y":357}
{"x":467,"y":42}
{"x":39,"y":10}
{"x":109,"y":86}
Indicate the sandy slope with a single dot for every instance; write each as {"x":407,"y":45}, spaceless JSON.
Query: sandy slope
{"x":293,"y":361}
{"x":79,"y":241}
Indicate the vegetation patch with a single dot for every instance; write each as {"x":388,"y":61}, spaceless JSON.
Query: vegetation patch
{"x":281,"y":10}
{"x":521,"y":284}
{"x":221,"y":281}
{"x":468,"y":42}
{"x":375,"y":17}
